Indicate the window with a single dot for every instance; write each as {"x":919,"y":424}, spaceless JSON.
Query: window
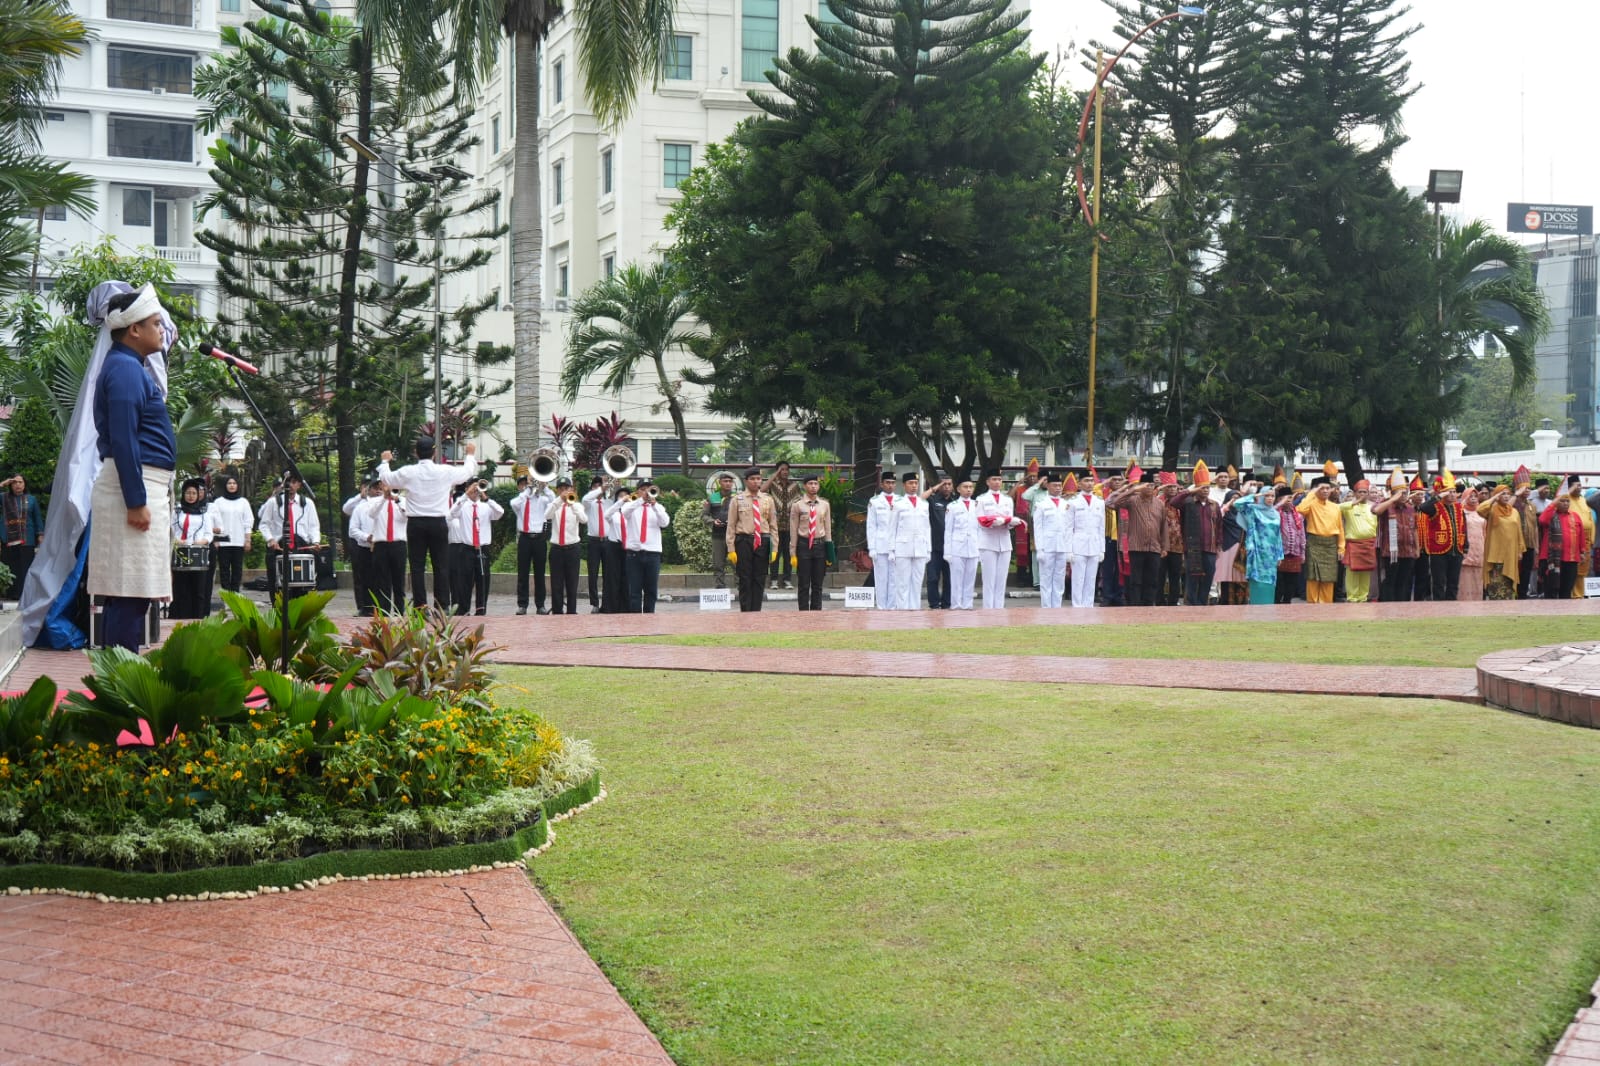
{"x":162,"y":12}
{"x":558,"y":81}
{"x":278,"y":89}
{"x":128,"y":68}
{"x":679,"y":65}
{"x":55,"y":116}
{"x":231,"y":6}
{"x":563,"y":279}
{"x":605,"y":172}
{"x":825,"y":14}
{"x":608,"y":267}
{"x":760,"y":39}
{"x":676,"y":162}
{"x":55,"y":213}
{"x":148,"y":138}
{"x":137,"y":207}
{"x":557,"y":172}
{"x":494,"y":136}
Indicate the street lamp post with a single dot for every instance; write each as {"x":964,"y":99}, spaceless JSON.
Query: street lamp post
{"x":1092,"y":215}
{"x":1444,"y":187}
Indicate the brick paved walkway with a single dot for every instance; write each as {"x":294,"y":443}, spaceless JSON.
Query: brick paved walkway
{"x":468,"y":969}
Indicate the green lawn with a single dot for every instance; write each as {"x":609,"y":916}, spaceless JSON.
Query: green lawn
{"x":1391,"y":642}
{"x":830,"y":871}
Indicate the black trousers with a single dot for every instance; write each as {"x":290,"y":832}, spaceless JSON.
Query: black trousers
{"x":1288,"y":586}
{"x":469,"y":578}
{"x":811,"y":570}
{"x":1171,"y":578}
{"x":1110,"y":576}
{"x":595,"y":552}
{"x":938,"y":582}
{"x":1444,"y":575}
{"x":531,"y":551}
{"x":1197,"y":587}
{"x":1144,"y":579}
{"x":386,"y":578}
{"x":19,"y":559}
{"x":1527,"y":565}
{"x":752,"y":570}
{"x":428,"y":543}
{"x":124,"y":618}
{"x":1396,"y":584}
{"x":1559,"y":581}
{"x":360,"y":570}
{"x":191,"y":594}
{"x":644,"y":575}
{"x":1421,"y":585}
{"x":564,"y":578}
{"x":230,"y":568}
{"x":614,"y":594}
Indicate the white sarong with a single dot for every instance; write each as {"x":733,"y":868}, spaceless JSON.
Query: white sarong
{"x":122,"y":560}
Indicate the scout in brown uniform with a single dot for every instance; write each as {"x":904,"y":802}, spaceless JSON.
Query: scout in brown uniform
{"x":811,"y":533}
{"x":752,"y":539}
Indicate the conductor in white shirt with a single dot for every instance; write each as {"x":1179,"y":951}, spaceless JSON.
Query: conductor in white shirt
{"x":427,"y":486}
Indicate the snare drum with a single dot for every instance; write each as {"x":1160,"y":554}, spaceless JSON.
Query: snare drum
{"x":191,"y":557}
{"x":302,"y":570}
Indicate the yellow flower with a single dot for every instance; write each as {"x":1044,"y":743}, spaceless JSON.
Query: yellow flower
{"x":165,"y":772}
{"x":237,"y":774}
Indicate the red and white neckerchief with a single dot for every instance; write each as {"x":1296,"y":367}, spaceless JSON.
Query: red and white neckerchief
{"x":811,"y":528}
{"x":755,"y":513}
{"x":1057,"y":501}
{"x":475,"y":542}
{"x":391,"y":520}
{"x":913,"y":499}
{"x":561,"y":532}
{"x":644,"y":523}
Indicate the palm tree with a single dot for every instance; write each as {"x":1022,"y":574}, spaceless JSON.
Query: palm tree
{"x":637,"y":313}
{"x":621,"y":44}
{"x":36,"y":36}
{"x":1487,"y":287}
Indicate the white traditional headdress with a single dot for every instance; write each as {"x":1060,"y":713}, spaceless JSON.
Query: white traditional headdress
{"x":146,"y":305}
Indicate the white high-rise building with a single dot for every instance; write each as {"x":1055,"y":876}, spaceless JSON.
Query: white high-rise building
{"x":125,"y":117}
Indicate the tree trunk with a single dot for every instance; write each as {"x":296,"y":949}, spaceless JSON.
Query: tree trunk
{"x":868,"y":461}
{"x":918,"y":448}
{"x":355,"y":229}
{"x":527,"y":242}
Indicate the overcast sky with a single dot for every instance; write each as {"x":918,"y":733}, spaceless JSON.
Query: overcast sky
{"x":1494,"y":76}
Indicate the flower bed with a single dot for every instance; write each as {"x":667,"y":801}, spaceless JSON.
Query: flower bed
{"x":381,"y":753}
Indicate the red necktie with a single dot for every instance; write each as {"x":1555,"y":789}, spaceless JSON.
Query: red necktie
{"x":644,"y":524}
{"x":561,"y":534}
{"x":755,"y":513}
{"x":600,"y":510}
{"x":185,"y":527}
{"x":289,"y":508}
{"x":475,"y":543}
{"x":527,"y":504}
{"x":391,"y":520}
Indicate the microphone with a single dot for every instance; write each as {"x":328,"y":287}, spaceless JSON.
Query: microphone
{"x":228,"y":357}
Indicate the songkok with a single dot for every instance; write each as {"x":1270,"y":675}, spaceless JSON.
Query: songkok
{"x":993,"y":471}
{"x":1147,"y":478}
{"x":910,"y":475}
{"x":147,"y":304}
{"x":1054,"y":478}
{"x":1522,"y":477}
{"x":1202,"y":473}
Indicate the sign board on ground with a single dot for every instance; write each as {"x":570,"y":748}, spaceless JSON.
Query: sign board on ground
{"x":1560,"y":219}
{"x":1591,"y":586}
{"x":857,"y":597}
{"x":716,"y":599}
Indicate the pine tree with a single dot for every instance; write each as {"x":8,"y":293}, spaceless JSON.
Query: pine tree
{"x":303,"y":217}
{"x":884,"y":247}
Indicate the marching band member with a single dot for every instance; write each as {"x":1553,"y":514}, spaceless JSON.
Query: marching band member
{"x":811,"y":527}
{"x":233,"y":518}
{"x":643,"y":520}
{"x":880,"y":533}
{"x":961,"y":545}
{"x":1086,"y":539}
{"x":428,"y":486}
{"x":191,"y":527}
{"x":566,"y":521}
{"x":614,"y":595}
{"x":359,"y":548}
{"x":289,"y":517}
{"x":472,"y":528}
{"x":910,"y":545}
{"x":1052,"y":523}
{"x":751,"y":539}
{"x":996,"y":520}
{"x":531,"y":505}
{"x":385,"y":529}
{"x":594,"y":515}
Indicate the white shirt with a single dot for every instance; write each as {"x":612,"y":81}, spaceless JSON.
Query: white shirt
{"x":961,"y":529}
{"x":880,"y":523}
{"x":1087,"y":535}
{"x":307,"y":529}
{"x":646,"y":518}
{"x":530,"y":506}
{"x":594,"y":512}
{"x":469,"y":513}
{"x":996,"y":538}
{"x":912,"y":536}
{"x":235,"y":518}
{"x":1052,"y":521}
{"x":614,"y":530}
{"x":576,"y":517}
{"x":191,"y":528}
{"x":378,"y":511}
{"x":360,"y":520}
{"x":428,"y":484}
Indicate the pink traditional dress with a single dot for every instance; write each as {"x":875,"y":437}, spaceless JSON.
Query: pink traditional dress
{"x":1471,"y":587}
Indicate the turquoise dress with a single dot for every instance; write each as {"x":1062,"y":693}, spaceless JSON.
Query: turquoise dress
{"x":1263,"y":546}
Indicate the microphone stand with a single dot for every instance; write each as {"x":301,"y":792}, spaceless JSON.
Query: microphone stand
{"x":283,"y":542}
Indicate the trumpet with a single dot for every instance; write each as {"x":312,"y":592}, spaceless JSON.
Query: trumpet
{"x":652,"y":492}
{"x":569,"y":496}
{"x":483,"y":484}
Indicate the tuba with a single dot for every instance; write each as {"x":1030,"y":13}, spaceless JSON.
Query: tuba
{"x":618,"y":463}
{"x":545,"y":464}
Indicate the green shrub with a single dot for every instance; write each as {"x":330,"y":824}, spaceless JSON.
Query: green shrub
{"x":686,"y":487}
{"x":694,"y":537}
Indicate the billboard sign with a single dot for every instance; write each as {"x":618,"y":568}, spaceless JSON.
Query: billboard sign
{"x":1563,"y":220}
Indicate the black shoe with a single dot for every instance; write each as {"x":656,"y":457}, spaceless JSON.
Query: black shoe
{"x":594,"y":610}
{"x":522,"y":610}
{"x":544,"y":610}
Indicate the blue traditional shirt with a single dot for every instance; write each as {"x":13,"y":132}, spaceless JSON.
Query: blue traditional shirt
{"x":131,"y":420}
{"x":1263,"y":538}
